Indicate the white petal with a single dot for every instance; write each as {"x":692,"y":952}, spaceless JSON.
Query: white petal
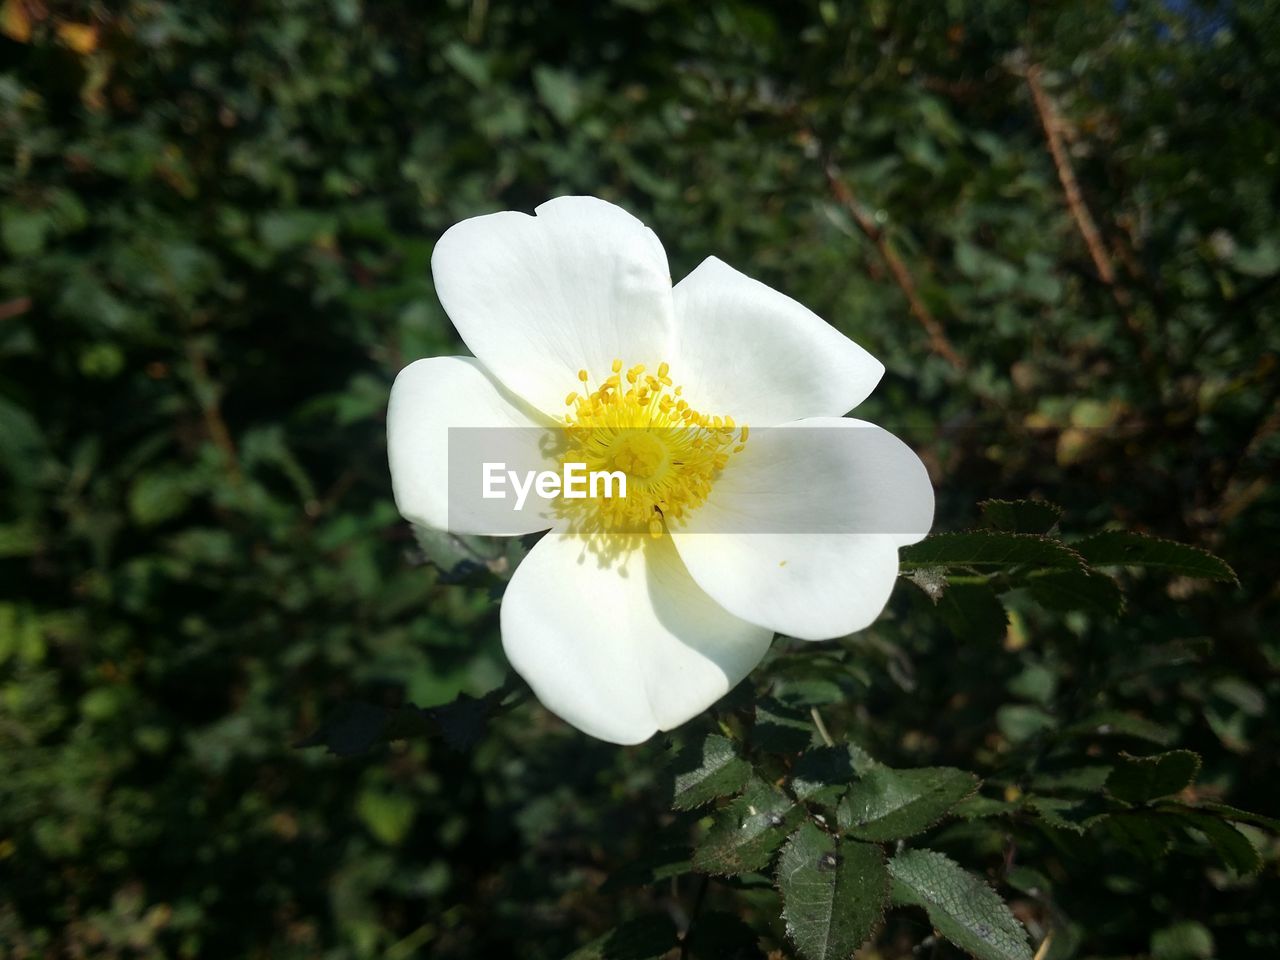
{"x":801,"y":530}
{"x":539,"y":298}
{"x":623,"y":647}
{"x":430,"y":398}
{"x":746,"y":350}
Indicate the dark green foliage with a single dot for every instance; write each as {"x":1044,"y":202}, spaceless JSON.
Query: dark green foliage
{"x":973,"y":611}
{"x":833,"y":892}
{"x":646,"y":938}
{"x":216,"y":226}
{"x":723,"y":936}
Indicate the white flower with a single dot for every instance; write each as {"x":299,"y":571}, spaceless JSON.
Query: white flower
{"x":772,"y":533}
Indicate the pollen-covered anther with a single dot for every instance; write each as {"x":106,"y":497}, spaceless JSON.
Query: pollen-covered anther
{"x":640,"y":424}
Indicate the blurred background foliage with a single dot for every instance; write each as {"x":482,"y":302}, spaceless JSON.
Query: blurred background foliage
{"x":216,"y":225}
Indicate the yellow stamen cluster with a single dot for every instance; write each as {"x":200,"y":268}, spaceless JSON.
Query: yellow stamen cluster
{"x":639,"y":423}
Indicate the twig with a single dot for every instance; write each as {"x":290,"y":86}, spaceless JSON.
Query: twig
{"x":1052,"y":123}
{"x":938,"y":341}
{"x":700,"y":896}
{"x":822,"y":727}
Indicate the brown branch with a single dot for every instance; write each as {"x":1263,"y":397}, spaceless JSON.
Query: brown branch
{"x":938,"y":341}
{"x":1054,"y":129}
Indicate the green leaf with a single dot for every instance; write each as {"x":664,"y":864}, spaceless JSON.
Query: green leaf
{"x":1091,"y":779}
{"x":833,"y":892}
{"x":1067,"y":590}
{"x":822,"y":773}
{"x":745,"y":834}
{"x":781,"y":729}
{"x":387,"y":815}
{"x":707,"y":770}
{"x":1187,"y":940}
{"x":891,"y":804}
{"x":1123,"y":549}
{"x":645,"y":938}
{"x":1114,"y":723}
{"x":1076,"y":814}
{"x":23,"y":232}
{"x":988,"y":549}
{"x":1021,"y":516}
{"x":1232,"y":846}
{"x":1139,"y":779}
{"x":1240,"y":816}
{"x":961,"y":907}
{"x":977,"y":808}
{"x":653,"y":867}
{"x":1021,"y":721}
{"x":472,"y":65}
{"x":1146,"y":834}
{"x":973,"y":612}
{"x":559,"y":91}
{"x":159,"y":496}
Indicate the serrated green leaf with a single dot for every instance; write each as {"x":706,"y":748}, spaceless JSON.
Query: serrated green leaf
{"x":707,"y":770}
{"x":989,"y":550}
{"x":891,"y":804}
{"x":1123,"y":549}
{"x":781,"y":729}
{"x":833,"y":892}
{"x":1114,"y":723}
{"x":745,"y":834}
{"x":977,"y":808}
{"x":1232,"y":846}
{"x":1021,"y":516}
{"x":1074,"y":814}
{"x":645,"y":938}
{"x":962,"y":908}
{"x":1227,"y":812}
{"x":1089,"y":779}
{"x":973,"y":612}
{"x":1145,"y":834}
{"x":1139,"y":779}
{"x":1067,"y":590}
{"x":822,"y":773}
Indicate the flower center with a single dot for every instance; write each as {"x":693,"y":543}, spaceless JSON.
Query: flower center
{"x":638,"y":424}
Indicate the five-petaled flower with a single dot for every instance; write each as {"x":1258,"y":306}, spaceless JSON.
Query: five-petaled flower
{"x":722,"y":400}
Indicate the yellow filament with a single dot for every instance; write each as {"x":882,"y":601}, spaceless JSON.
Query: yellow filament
{"x":642,"y":426}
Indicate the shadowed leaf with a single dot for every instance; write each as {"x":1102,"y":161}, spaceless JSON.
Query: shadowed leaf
{"x":745,"y":834}
{"x":707,"y":770}
{"x":833,"y":892}
{"x":1139,"y":779}
{"x":963,"y":908}
{"x":1124,"y":549}
{"x":891,"y":804}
